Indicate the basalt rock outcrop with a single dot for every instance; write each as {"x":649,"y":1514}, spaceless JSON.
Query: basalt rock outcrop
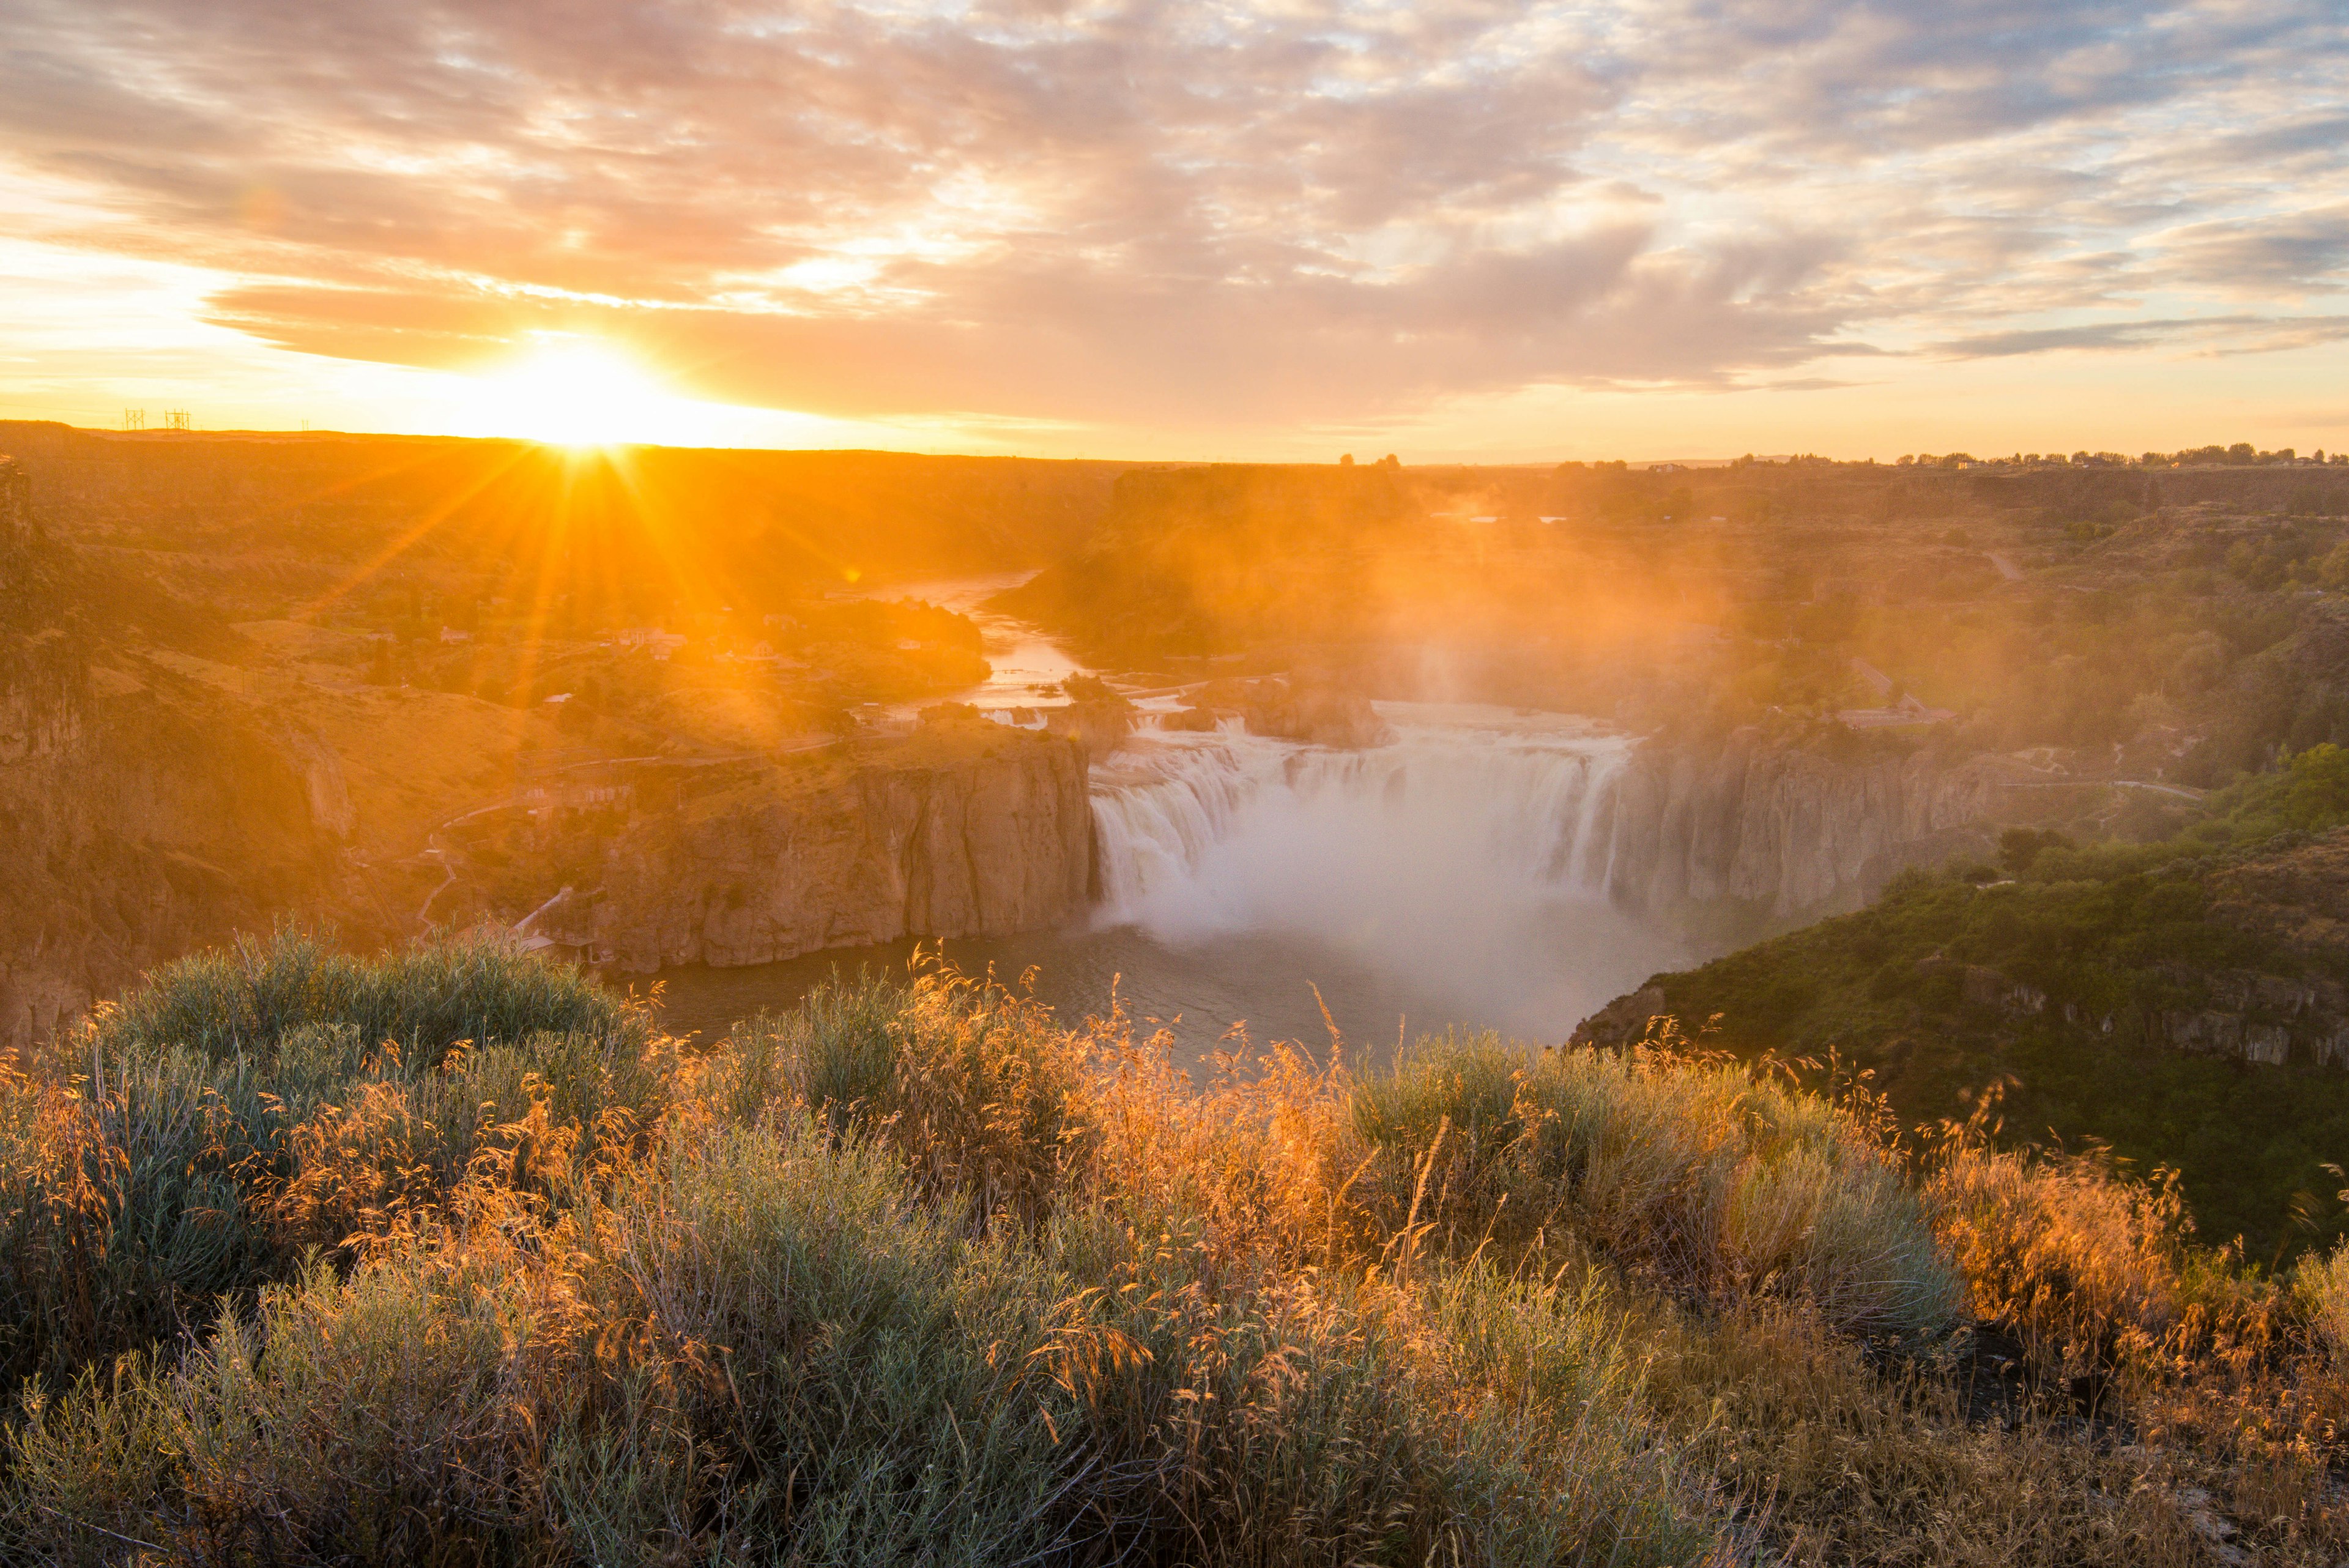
{"x":2269,"y":1019}
{"x":2246,"y":958}
{"x":1098,"y":717}
{"x":966,"y":830}
{"x":1288,"y":708}
{"x":1783,"y":828}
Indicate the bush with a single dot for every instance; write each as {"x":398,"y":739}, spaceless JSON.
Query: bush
{"x":1293,"y":1418}
{"x":121,"y":1204}
{"x":247,"y":998}
{"x":861,"y":1377}
{"x":913,"y":1274}
{"x":2324,"y":1286}
{"x":1699,"y":1176}
{"x":974,"y":1085}
{"x":238,"y":1109}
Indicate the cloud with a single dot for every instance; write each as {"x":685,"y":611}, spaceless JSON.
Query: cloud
{"x":2212,"y":334}
{"x":1152,"y":210}
{"x":2279,"y":253}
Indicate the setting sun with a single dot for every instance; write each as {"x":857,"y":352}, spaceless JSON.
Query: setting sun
{"x":581,"y":392}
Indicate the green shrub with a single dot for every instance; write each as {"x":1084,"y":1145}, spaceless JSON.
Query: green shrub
{"x":842,"y":1046}
{"x":244,"y":1105}
{"x":248,"y":997}
{"x":1290,"y":1417}
{"x":867,"y":1370}
{"x":122,"y":1204}
{"x":385,"y":1419}
{"x":1700,"y":1175}
{"x":975,"y":1087}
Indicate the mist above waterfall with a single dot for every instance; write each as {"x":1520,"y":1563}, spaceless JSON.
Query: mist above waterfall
{"x":1468,"y":861}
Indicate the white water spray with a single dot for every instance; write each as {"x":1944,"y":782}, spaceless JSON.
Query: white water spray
{"x":1469,"y":857}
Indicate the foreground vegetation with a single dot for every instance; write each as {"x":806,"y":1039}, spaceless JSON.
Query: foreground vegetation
{"x":451,"y":1257}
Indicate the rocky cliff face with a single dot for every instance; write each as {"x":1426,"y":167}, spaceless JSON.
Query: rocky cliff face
{"x":141,"y":814}
{"x":150,"y":816}
{"x":981,"y":837}
{"x":1782,"y":829}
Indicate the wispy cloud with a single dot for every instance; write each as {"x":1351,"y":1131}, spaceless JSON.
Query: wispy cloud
{"x":1157,"y":210}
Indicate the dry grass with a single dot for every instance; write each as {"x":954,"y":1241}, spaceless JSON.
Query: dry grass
{"x":915,"y":1275}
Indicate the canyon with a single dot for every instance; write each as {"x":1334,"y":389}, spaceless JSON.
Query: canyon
{"x":219,"y":712}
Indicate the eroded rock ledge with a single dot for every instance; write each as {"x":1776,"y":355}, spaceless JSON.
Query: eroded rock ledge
{"x":968,"y":830}
{"x":1784,"y":829}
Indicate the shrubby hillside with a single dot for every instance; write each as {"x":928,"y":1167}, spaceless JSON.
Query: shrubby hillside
{"x":2184,"y":1000}
{"x":451,"y":1257}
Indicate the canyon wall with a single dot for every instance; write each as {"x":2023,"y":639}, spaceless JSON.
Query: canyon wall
{"x":986,"y":835}
{"x":1785,"y":830}
{"x":141,"y":814}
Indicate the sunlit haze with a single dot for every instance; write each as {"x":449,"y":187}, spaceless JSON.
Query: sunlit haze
{"x":582,"y":393}
{"x":1652,"y":228}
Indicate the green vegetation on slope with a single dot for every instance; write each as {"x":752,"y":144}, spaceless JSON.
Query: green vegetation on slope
{"x":2098,"y":960}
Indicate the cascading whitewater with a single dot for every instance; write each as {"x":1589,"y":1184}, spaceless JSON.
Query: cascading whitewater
{"x":1531,"y":809}
{"x":1472,"y":854}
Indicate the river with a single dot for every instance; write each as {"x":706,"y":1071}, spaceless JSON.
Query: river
{"x":1452,"y":878}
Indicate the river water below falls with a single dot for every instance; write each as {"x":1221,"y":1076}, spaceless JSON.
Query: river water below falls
{"x":1454,"y":877}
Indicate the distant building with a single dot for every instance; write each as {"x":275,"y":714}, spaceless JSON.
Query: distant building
{"x":451,"y":634}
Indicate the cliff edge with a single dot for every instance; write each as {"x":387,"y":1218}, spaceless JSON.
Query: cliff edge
{"x":1785,"y":828}
{"x":966,"y":829}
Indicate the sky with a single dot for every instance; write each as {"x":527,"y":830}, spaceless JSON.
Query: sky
{"x":1482,"y":230}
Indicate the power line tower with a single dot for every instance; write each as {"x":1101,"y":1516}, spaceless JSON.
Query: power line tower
{"x":134,"y":419}
{"x":176,"y":419}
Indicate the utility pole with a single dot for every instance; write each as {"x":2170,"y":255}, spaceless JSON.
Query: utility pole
{"x":134,"y":419}
{"x":175,"y":419}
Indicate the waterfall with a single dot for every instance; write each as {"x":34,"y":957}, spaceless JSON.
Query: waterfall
{"x":1472,"y":854}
